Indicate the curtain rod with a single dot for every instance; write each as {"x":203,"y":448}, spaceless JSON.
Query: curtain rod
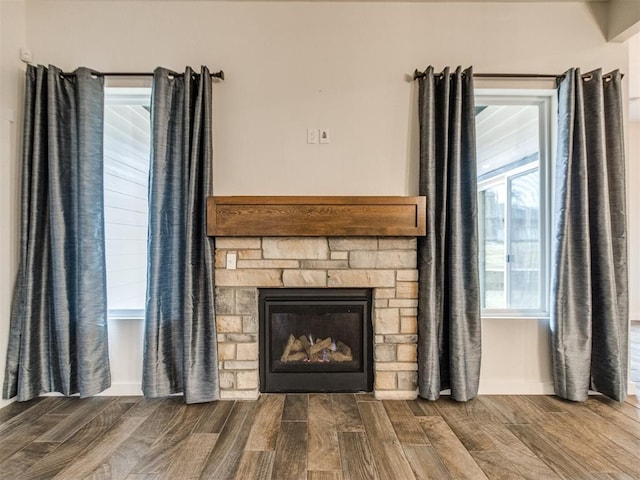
{"x":531,"y":76}
{"x":219,"y":74}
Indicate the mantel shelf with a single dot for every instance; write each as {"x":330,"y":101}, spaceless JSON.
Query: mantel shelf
{"x":310,"y":216}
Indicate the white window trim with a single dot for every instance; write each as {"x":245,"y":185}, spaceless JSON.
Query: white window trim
{"x":546,"y":100}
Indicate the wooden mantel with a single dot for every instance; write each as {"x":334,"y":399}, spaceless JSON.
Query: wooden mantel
{"x":308,"y":216}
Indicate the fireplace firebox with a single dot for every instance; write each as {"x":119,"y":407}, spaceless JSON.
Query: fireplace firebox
{"x":315,"y":340}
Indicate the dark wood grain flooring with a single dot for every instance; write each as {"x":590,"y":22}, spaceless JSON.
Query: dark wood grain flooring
{"x":320,"y":437}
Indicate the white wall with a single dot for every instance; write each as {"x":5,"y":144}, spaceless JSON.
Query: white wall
{"x":634,"y":78}
{"x":343,"y":66}
{"x":12,"y":37}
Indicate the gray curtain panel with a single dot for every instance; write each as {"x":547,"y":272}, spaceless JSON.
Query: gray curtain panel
{"x":449,"y":287}
{"x":58,"y":332}
{"x":589,"y":298}
{"x":180,"y":350}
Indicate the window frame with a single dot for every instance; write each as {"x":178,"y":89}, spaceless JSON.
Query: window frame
{"x":545,"y":100}
{"x":139,"y":95}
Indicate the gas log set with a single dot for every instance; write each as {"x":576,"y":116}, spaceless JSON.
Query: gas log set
{"x":306,"y":349}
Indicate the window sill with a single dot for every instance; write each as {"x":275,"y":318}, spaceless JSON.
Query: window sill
{"x":125,"y":315}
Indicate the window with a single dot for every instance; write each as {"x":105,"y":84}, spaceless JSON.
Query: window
{"x":126,"y":178}
{"x":513,"y":150}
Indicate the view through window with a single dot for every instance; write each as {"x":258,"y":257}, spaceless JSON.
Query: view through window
{"x":126,"y":179}
{"x":513,"y":197}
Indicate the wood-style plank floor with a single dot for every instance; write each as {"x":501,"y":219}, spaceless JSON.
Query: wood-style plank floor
{"x":320,"y":437}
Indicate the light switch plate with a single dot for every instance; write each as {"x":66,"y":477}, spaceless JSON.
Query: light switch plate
{"x":312,"y":135}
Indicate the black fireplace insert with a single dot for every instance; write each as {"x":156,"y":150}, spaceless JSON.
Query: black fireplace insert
{"x":316,"y":340}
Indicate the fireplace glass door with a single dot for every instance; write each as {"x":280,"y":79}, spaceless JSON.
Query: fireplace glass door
{"x":315,"y":340}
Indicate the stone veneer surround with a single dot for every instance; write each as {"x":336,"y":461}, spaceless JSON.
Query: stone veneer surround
{"x":385,"y":264}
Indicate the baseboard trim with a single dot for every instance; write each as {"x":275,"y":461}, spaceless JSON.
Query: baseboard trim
{"x":530,"y":388}
{"x":486,"y":388}
{"x":122,"y":390}
{"x":498,"y":387}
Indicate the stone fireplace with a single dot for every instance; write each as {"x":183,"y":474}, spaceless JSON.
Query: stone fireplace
{"x":386,"y":265}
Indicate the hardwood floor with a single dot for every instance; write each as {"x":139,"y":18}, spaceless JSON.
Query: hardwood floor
{"x":320,"y":437}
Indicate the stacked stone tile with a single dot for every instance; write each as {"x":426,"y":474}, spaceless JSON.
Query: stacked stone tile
{"x":385,"y":264}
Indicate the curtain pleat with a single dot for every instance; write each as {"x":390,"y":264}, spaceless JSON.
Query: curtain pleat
{"x":449,"y":289}
{"x":58,"y":332}
{"x":180,"y":351}
{"x":589,"y":297}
